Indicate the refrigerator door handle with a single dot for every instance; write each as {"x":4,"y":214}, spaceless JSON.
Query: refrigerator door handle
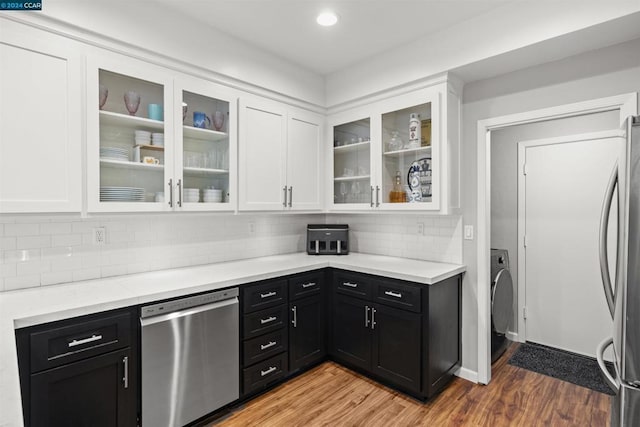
{"x":608,"y":378}
{"x":604,"y":223}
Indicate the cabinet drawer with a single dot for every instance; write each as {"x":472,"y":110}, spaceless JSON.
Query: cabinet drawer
{"x":353,"y":285}
{"x":305,"y":285}
{"x":264,"y":295}
{"x":264,"y":346}
{"x":400,"y":295}
{"x":64,"y":344}
{"x":264,"y":321}
{"x":265,"y":372}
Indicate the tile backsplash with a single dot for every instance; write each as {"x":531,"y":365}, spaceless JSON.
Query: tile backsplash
{"x":398,"y":235}
{"x":47,"y":250}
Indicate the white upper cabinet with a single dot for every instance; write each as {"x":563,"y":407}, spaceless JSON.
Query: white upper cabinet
{"x":400,"y":153}
{"x":280,"y":157}
{"x":40,"y":123}
{"x":304,"y":161}
{"x":157,"y":141}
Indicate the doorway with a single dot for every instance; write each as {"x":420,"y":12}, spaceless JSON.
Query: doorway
{"x":625,"y":105}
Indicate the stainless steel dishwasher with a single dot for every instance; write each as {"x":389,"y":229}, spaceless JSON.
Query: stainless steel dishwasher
{"x":190,"y":357}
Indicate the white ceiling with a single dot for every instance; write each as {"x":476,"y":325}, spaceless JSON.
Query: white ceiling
{"x":287,"y":28}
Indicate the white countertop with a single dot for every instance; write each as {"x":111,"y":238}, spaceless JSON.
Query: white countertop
{"x":46,"y":304}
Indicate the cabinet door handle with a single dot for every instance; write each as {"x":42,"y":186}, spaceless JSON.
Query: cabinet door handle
{"x":373,"y":318}
{"x":268,"y":294}
{"x":349,"y":284}
{"x":366,"y":316}
{"x":179,"y":193}
{"x":393,"y":294}
{"x":268,"y":345}
{"x":372,"y":196}
{"x":284,"y":190}
{"x":267,"y":320}
{"x":125,"y":378}
{"x":377,"y":196}
{"x":92,"y":338}
{"x":295,"y":316}
{"x":308,"y":285}
{"x":268,"y":371}
{"x":290,"y":196}
{"x":171,"y":192}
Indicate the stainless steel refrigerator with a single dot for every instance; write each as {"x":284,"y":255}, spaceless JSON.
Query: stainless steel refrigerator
{"x":623,"y":295}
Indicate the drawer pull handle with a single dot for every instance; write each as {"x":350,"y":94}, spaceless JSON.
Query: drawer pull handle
{"x":393,"y":294}
{"x":92,"y":338}
{"x":268,"y":371}
{"x":268,"y":320}
{"x":266,"y":346}
{"x":308,"y":285}
{"x":268,"y":294}
{"x":349,"y":284}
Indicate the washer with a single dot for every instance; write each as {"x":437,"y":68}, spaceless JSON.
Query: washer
{"x":501,"y":301}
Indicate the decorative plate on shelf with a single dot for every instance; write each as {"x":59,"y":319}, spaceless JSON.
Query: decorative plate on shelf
{"x":417,"y":179}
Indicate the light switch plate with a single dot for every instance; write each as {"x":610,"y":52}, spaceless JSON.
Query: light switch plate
{"x":468,"y":232}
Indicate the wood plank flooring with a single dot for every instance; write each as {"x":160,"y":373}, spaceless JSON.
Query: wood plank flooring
{"x":330,"y":395}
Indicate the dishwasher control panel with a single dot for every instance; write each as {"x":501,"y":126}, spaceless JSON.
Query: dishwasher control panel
{"x":186,"y":303}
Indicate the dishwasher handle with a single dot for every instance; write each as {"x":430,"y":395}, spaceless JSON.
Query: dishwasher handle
{"x":187,"y":312}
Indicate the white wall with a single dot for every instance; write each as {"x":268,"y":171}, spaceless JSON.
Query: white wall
{"x":152,"y":30}
{"x":504,"y":178}
{"x":596,"y":74}
{"x":545,"y":26}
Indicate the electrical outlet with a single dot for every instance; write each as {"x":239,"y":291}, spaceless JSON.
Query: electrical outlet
{"x":252,"y":227}
{"x":99,"y":236}
{"x":420,"y":230}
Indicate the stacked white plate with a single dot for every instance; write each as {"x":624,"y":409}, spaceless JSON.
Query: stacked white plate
{"x":157,"y":138}
{"x":191,"y":195}
{"x":212,"y":196}
{"x":142,"y":137}
{"x":121,"y":194}
{"x":114,"y":153}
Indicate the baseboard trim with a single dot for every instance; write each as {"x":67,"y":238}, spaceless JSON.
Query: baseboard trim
{"x":467,"y":374}
{"x":513,"y":336}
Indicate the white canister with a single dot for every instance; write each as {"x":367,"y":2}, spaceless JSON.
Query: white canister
{"x":414,"y":130}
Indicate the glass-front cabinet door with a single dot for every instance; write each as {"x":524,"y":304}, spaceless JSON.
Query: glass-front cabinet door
{"x":352,"y":184}
{"x":406,"y":171}
{"x":129,"y":160}
{"x":158,"y":142}
{"x":206,"y":140}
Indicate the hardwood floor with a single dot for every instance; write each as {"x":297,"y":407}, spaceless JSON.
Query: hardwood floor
{"x":330,"y":395}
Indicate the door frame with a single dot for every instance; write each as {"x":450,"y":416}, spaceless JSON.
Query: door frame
{"x":626,"y":104}
{"x":520,"y":333}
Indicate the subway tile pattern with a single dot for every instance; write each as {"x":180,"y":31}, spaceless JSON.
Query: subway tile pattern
{"x":397,"y":235}
{"x":48,"y":250}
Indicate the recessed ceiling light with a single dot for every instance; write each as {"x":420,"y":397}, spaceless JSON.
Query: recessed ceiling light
{"x":327,"y":19}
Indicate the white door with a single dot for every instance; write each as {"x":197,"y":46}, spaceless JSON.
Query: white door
{"x":262,"y":155}
{"x":304,"y":161}
{"x":564,"y":184}
{"x":40,"y":125}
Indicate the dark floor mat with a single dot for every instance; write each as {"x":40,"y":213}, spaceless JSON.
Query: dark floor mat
{"x":563,"y":365}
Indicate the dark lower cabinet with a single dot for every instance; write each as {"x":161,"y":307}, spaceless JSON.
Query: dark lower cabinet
{"x":307,"y":342}
{"x":90,"y":393}
{"x":350,"y":339}
{"x":404,"y":334}
{"x":396,"y":346}
{"x":80,"y":372}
